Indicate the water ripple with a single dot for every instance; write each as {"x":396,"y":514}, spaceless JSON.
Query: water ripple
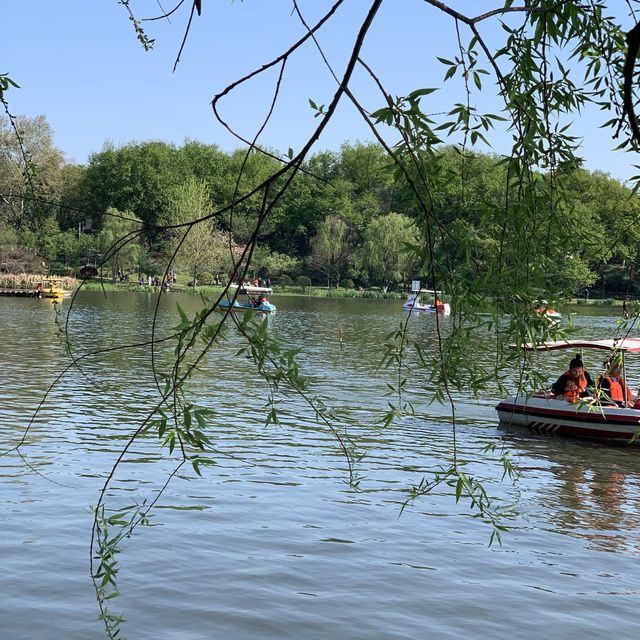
{"x":272,"y":542}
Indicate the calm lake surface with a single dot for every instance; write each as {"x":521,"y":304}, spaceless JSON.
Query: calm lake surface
{"x":271,"y":542}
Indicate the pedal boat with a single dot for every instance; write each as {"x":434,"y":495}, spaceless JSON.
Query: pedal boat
{"x":248,"y":298}
{"x":544,"y":414}
{"x":414,"y":303}
{"x":545,"y":310}
{"x":52,"y":288}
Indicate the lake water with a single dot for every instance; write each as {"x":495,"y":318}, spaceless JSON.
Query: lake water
{"x":272,"y":542}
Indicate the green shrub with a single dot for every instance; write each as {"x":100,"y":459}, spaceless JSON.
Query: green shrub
{"x":284,"y":281}
{"x":88,"y":271}
{"x":347,"y":283}
{"x":303,"y":281}
{"x":355,"y":293}
{"x":62,"y":270}
{"x":205,"y":278}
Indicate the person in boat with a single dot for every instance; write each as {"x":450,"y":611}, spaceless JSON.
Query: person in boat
{"x":611,"y":386}
{"x":580,"y":377}
{"x":571,"y":391}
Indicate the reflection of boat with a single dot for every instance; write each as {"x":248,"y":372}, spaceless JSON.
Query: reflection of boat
{"x":248,"y":298}
{"x":545,"y":414}
{"x":414,"y":303}
{"x":587,"y":490}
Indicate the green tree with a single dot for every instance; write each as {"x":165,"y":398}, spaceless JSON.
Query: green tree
{"x":119,"y":241}
{"x":72,"y":199}
{"x":331,"y":249}
{"x":311,"y":197}
{"x":244,"y":172}
{"x":44,"y":240}
{"x":368,"y":171}
{"x":139,"y":178}
{"x":30,"y":170}
{"x":304,"y":282}
{"x":270,"y":264}
{"x":386,"y":248}
{"x":75,"y":249}
{"x":200,"y":246}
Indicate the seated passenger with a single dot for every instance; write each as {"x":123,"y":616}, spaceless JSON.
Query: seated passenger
{"x":612,"y":386}
{"x":580,"y":377}
{"x":571,"y":391}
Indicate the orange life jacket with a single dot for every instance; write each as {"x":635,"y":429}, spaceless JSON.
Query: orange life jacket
{"x":617,"y":388}
{"x":572,"y":395}
{"x":580,"y":381}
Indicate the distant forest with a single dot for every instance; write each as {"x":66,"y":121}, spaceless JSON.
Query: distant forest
{"x":346,"y":219}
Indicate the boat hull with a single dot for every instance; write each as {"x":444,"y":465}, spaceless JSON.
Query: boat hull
{"x":444,"y":310}
{"x":548,"y":416}
{"x":20,"y":293}
{"x":241,"y":307}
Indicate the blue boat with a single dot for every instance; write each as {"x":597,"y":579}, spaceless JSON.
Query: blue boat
{"x":248,"y":298}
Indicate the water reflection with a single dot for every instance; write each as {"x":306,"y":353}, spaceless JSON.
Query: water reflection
{"x":273,"y":520}
{"x":589,"y":490}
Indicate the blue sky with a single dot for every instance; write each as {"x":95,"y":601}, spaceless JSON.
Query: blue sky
{"x":78,"y":63}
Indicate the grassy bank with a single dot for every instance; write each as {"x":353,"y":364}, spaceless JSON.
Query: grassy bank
{"x":602,"y":302}
{"x":316,"y":292}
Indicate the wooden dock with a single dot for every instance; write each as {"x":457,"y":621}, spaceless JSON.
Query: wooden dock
{"x":20,"y":293}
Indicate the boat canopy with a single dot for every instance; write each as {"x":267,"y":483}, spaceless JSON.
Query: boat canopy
{"x":251,"y":290}
{"x":437,"y":292}
{"x":622,"y":344}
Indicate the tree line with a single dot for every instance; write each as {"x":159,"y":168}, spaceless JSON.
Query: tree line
{"x":346,"y":218}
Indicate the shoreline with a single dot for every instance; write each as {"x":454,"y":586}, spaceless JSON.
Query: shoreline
{"x":293,"y":291}
{"x":323,"y":292}
{"x":313,"y":292}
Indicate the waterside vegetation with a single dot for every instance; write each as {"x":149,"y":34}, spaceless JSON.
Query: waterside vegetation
{"x":345,"y":218}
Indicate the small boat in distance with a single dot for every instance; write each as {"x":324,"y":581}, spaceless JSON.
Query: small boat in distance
{"x":590,"y":417}
{"x":51,"y":288}
{"x":543,"y":309}
{"x":48,"y":287}
{"x":249,"y":298}
{"x":414,"y":303}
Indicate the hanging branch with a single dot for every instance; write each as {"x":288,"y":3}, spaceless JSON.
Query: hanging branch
{"x":633,"y":43}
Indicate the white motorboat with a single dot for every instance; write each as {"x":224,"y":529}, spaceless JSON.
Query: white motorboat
{"x":414,"y":301}
{"x":545,"y":310}
{"x":590,"y":417}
